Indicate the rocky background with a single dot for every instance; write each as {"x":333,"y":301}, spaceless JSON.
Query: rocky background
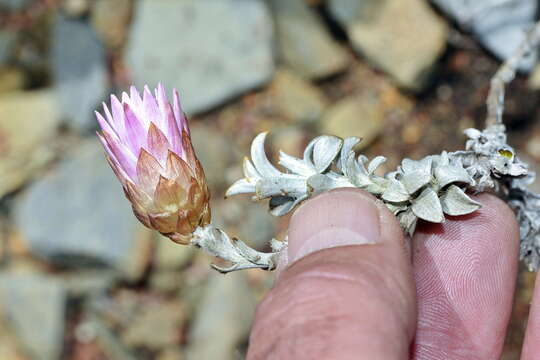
{"x":81,"y":279}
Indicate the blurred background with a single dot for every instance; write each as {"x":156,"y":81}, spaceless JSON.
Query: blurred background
{"x":81,"y":279}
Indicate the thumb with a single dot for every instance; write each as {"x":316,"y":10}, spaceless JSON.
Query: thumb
{"x":347,"y":292}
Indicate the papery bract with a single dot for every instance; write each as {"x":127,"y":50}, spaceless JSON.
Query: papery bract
{"x":148,"y":146}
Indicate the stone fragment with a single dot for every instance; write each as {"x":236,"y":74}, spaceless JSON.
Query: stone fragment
{"x":304,"y":42}
{"x":171,"y":354}
{"x":15,"y":5}
{"x":211,"y":51}
{"x":296,"y":98}
{"x":110,"y":19}
{"x":76,"y":8}
{"x":500,"y":25}
{"x":166,"y":281}
{"x":7,"y":39}
{"x":404,"y":38}
{"x":355,"y":116}
{"x":77,"y":216}
{"x":34,"y":305}
{"x":79,"y":71}
{"x":11,"y":79}
{"x":170,"y":255}
{"x":290,"y":139}
{"x":223,"y":318}
{"x":88,"y":282}
{"x":27,"y":127}
{"x":10,"y":348}
{"x":216,"y":153}
{"x":156,"y":325}
{"x":246,"y":220}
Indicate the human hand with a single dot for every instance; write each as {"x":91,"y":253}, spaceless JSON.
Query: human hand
{"x":367,"y":295}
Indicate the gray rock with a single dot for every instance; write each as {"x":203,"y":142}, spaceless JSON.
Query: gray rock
{"x":15,"y":4}
{"x":209,"y":50}
{"x":155,"y":325}
{"x":303,"y":41}
{"x":106,"y":339}
{"x":27,"y":127}
{"x":246,"y":220}
{"x":166,"y":281}
{"x":111,"y":19}
{"x":88,"y":282}
{"x":500,"y":25}
{"x":76,"y":8}
{"x":10,"y":348}
{"x":223,"y":318}
{"x":77,"y":215}
{"x":258,"y":226}
{"x":216,"y":153}
{"x":355,"y":116}
{"x":404,"y":38}
{"x":11,"y":79}
{"x":78,"y":61}
{"x":35,"y":307}
{"x":296,"y":98}
{"x":170,"y":354}
{"x":7,"y":39}
{"x":170,"y":255}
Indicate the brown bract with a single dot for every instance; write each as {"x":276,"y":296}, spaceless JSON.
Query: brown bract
{"x":174,"y":199}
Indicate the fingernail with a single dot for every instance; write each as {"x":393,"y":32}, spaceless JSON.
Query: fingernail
{"x":336,"y":218}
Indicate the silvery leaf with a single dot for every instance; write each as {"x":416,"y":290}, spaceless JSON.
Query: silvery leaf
{"x":428,"y":207}
{"x":408,"y":221}
{"x":396,"y":208}
{"x":284,"y":185}
{"x":517,"y":170}
{"x":258,"y":156}
{"x":423,"y":165}
{"x":415,"y":180}
{"x":308,"y":153}
{"x":294,"y":165}
{"x":407,"y":165}
{"x":338,"y":179}
{"x":443,"y":159}
{"x":472,"y":133}
{"x":325,"y":151}
{"x":319,"y":183}
{"x":355,"y":173}
{"x":249,"y":170}
{"x":346,"y":150}
{"x":375,"y":163}
{"x":455,"y":202}
{"x":351,"y":168}
{"x":362,"y":160}
{"x":362,"y":181}
{"x":242,"y":186}
{"x":448,"y":174}
{"x":395,"y":192}
{"x":378,"y":185}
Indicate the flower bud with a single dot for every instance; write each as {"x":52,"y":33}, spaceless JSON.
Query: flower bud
{"x":148,"y":145}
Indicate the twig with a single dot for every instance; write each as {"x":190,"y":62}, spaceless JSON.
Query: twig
{"x":505,"y":74}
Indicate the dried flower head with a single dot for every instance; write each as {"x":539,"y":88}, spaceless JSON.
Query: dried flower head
{"x":148,"y":146}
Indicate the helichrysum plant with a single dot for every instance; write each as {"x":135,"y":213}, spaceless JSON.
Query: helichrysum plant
{"x":148,"y":146}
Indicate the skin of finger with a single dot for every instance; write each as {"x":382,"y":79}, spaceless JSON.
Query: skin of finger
{"x":531,"y":345}
{"x":349,"y":302}
{"x":465,"y":271}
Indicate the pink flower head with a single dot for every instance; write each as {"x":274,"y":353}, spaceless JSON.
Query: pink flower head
{"x":148,"y":146}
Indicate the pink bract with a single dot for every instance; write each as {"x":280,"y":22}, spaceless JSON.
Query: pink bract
{"x":149,"y":148}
